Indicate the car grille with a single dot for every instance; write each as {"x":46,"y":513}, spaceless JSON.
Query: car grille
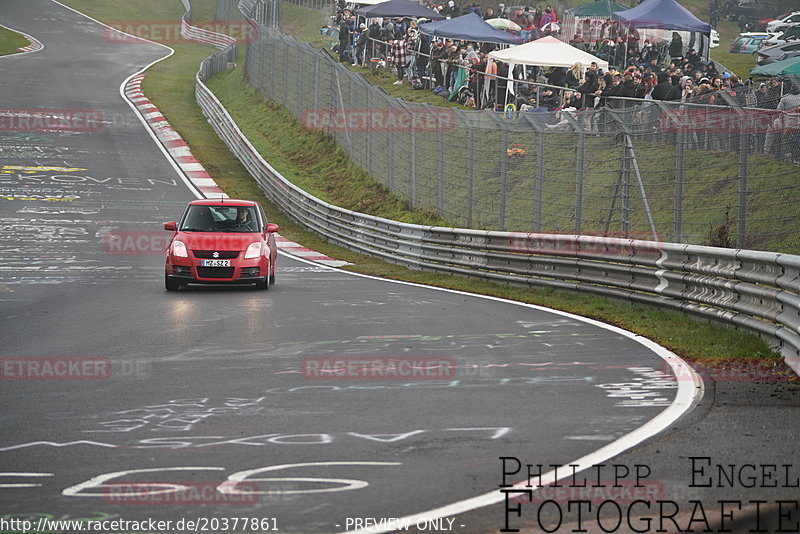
{"x":222,"y":254}
{"x":215,"y":272}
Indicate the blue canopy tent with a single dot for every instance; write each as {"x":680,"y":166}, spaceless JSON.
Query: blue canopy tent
{"x":662,"y":14}
{"x":469,"y":27}
{"x":399,"y":9}
{"x":665,"y":15}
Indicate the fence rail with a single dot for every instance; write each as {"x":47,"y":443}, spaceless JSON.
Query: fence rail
{"x":759,"y":291}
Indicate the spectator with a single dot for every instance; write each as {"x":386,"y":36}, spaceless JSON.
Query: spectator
{"x":662,"y":88}
{"x":424,"y":49}
{"x":676,"y":46}
{"x":790,"y":101}
{"x":687,"y":89}
{"x":345,"y":29}
{"x":574,"y":75}
{"x":398,"y":51}
{"x":547,"y":17}
{"x":590,"y":82}
{"x":557,"y":76}
{"x":501,"y":11}
{"x":361,"y":45}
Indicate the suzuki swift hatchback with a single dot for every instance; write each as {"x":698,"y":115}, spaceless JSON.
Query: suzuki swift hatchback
{"x":221,"y":241}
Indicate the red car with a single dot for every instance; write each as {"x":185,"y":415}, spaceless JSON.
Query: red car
{"x":221,"y":241}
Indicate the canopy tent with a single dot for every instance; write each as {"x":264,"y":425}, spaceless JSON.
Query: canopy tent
{"x":399,"y":8}
{"x":601,"y":9}
{"x":662,"y":14}
{"x":778,"y":68}
{"x":546,"y":52}
{"x":469,"y":27}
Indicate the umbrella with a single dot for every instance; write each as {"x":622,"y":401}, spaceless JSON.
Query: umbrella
{"x":553,"y":27}
{"x":504,"y":24}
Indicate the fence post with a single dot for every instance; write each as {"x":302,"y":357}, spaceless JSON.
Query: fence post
{"x":679,"y":164}
{"x":441,"y":163}
{"x":316,"y":82}
{"x":539,"y":179}
{"x":369,"y":113}
{"x":501,"y":217}
{"x":741,"y":237}
{"x":470,"y":165}
{"x":413,"y":162}
{"x":579,"y":170}
{"x":626,"y":190}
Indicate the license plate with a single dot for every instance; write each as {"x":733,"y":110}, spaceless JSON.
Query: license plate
{"x":215,"y":263}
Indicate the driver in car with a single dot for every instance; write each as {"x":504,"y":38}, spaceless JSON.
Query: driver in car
{"x":243,"y":219}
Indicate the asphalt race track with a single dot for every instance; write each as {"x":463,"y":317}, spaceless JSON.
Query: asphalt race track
{"x":214,"y":384}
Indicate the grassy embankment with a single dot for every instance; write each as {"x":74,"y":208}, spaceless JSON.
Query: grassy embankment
{"x":10,"y":41}
{"x":296,"y":154}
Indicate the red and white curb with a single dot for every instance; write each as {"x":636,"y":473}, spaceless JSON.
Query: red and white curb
{"x":196,"y":173}
{"x":172,"y":141}
{"x":34,"y":45}
{"x":296,"y":249}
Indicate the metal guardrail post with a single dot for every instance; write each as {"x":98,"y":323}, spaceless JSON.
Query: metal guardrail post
{"x":626,"y":190}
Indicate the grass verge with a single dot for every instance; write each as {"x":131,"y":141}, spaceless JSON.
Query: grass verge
{"x":170,"y":84}
{"x":10,"y":41}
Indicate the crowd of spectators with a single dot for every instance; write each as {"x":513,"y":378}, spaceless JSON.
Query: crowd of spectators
{"x":463,"y":71}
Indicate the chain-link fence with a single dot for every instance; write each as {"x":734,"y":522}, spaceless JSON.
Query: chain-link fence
{"x":679,"y":172}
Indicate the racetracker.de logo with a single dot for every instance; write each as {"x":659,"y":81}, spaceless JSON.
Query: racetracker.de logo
{"x":51,"y":120}
{"x":364,"y":368}
{"x":181,"y":493}
{"x":55,"y":368}
{"x":169,"y":31}
{"x":729,"y":121}
{"x":379,"y":120}
{"x":135,"y":243}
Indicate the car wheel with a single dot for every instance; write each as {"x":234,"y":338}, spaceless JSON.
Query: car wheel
{"x":171,"y":285}
{"x":263,"y":284}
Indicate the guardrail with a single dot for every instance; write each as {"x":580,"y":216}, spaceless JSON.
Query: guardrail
{"x":759,"y":291}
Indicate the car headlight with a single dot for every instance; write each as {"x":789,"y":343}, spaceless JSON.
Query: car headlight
{"x":179,"y":249}
{"x":253,"y":251}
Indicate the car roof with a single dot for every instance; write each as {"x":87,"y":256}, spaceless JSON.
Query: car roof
{"x":222,"y":202}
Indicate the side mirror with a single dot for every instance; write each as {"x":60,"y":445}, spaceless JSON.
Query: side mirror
{"x":171,"y":226}
{"x":271,"y":228}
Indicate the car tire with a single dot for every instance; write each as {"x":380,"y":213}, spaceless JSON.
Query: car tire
{"x":171,"y":285}
{"x":263,"y":284}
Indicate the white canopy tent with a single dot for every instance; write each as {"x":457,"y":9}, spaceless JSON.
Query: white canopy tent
{"x":546,"y":52}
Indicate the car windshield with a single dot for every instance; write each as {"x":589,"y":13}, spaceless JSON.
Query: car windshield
{"x":240,"y":219}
